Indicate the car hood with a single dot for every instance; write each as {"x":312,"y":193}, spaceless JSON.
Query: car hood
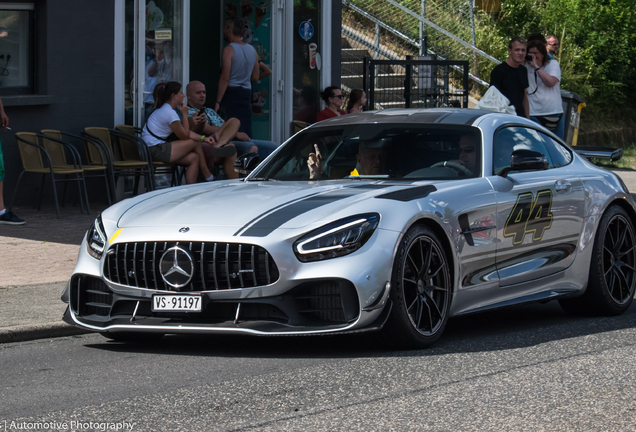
{"x":260,"y":205}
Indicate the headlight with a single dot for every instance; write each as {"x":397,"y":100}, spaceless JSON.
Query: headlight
{"x":96,"y":239}
{"x":337,"y":239}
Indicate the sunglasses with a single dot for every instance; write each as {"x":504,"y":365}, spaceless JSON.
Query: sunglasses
{"x":338,"y":96}
{"x":554,"y":44}
{"x":467,"y":150}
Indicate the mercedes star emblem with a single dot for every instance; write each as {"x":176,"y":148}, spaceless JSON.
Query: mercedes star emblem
{"x":176,"y":267}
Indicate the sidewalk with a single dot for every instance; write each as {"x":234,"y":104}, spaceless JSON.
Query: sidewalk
{"x":37,"y":260}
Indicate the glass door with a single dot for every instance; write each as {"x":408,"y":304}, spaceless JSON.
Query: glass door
{"x":258,"y":32}
{"x":308,"y":49}
{"x":155,"y":29}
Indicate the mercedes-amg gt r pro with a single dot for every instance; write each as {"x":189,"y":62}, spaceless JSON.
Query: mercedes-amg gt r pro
{"x":390,"y":221}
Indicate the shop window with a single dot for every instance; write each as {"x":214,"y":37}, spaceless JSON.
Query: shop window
{"x":16,"y":48}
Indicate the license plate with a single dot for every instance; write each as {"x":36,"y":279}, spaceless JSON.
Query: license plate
{"x":180,"y":303}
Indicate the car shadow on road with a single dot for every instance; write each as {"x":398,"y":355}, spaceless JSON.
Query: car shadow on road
{"x":510,"y":328}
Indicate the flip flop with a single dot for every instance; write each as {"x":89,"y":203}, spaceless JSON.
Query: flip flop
{"x":223,"y":151}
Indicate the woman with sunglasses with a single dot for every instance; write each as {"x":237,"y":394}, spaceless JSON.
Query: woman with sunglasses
{"x":333,"y":98}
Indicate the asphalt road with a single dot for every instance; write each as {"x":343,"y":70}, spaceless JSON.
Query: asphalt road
{"x":529,"y":368}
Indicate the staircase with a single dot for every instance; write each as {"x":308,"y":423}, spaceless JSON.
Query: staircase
{"x":352,"y":54}
{"x":389,"y":91}
{"x":394,"y":24}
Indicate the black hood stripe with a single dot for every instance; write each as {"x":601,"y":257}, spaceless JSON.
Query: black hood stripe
{"x":276,"y":219}
{"x":409,"y":194}
{"x":261,"y":216}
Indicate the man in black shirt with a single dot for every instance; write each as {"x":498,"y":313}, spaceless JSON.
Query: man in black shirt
{"x":511,"y":77}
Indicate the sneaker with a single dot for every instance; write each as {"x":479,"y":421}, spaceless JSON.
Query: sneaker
{"x":9,"y":218}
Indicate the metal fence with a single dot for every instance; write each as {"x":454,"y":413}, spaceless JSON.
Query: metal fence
{"x":388,"y":29}
{"x":415,"y":83}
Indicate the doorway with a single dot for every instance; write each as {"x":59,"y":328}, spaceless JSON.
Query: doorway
{"x":154,"y":28}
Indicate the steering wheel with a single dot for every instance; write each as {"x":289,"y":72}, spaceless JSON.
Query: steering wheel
{"x":461,"y":169}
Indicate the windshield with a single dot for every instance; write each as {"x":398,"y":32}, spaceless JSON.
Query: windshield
{"x":377,"y":151}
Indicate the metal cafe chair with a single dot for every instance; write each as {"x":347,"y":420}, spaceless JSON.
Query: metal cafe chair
{"x":94,"y":164}
{"x":156,"y":166}
{"x":127,"y":163}
{"x":31,"y":152}
{"x":131,"y":147}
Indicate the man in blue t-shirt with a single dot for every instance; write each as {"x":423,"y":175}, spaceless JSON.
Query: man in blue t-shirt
{"x":210,"y":123}
{"x":552,"y":45}
{"x":511,"y":77}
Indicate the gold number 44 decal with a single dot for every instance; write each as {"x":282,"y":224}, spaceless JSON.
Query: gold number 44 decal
{"x":529,"y":215}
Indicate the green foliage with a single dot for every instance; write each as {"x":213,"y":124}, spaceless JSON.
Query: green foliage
{"x":598,"y":41}
{"x":598,"y":44}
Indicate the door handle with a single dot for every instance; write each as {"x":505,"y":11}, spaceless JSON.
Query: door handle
{"x":562,"y":186}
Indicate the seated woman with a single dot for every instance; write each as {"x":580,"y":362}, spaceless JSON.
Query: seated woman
{"x":333,"y":98}
{"x":357,"y":101}
{"x":170,"y":139}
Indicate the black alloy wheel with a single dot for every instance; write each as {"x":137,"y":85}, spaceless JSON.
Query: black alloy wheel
{"x":612,"y":277}
{"x":421,"y":290}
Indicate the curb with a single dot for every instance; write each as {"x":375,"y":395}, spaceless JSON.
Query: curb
{"x":38,"y":331}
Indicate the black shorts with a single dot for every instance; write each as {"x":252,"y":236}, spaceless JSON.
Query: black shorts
{"x":161,"y":152}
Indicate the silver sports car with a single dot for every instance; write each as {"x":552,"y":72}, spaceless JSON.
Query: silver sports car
{"x":390,"y":221}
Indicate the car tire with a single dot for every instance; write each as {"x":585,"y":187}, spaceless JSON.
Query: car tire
{"x":612,"y":277}
{"x":421,"y":290}
{"x":132,"y":336}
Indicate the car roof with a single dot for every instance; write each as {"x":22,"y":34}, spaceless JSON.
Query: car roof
{"x":447,"y":116}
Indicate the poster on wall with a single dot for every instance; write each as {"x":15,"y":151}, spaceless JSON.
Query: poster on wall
{"x":257,"y":16}
{"x":307,"y":61}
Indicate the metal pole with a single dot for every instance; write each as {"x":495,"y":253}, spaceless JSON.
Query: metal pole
{"x":422,"y":28}
{"x":365,"y":79}
{"x":376,"y":42}
{"x":472,"y":28}
{"x":407,"y":83}
{"x":371,"y":94}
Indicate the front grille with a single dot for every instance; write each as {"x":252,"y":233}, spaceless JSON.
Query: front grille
{"x":217,"y":266}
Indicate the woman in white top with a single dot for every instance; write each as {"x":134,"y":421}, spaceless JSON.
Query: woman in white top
{"x":169,"y":138}
{"x":544,"y":92}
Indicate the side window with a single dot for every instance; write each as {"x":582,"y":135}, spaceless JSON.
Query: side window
{"x":516,"y":138}
{"x":559,"y":154}
{"x":16,"y":48}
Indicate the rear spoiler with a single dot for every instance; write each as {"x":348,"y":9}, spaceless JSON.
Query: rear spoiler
{"x":612,"y":154}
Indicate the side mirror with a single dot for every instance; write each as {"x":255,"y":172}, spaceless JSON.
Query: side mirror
{"x":246,"y":163}
{"x":526,"y":160}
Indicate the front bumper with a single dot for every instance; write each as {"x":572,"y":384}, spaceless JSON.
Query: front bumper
{"x":334,"y":296}
{"x":316,"y":306}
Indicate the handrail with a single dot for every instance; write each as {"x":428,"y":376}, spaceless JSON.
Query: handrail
{"x":444,"y":32}
{"x":404,"y":37}
{"x":370,"y":17}
{"x":392,"y":56}
{"x":362,"y":41}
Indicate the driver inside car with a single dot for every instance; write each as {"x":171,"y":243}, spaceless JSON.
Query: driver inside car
{"x":371,"y":160}
{"x":468,"y":152}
